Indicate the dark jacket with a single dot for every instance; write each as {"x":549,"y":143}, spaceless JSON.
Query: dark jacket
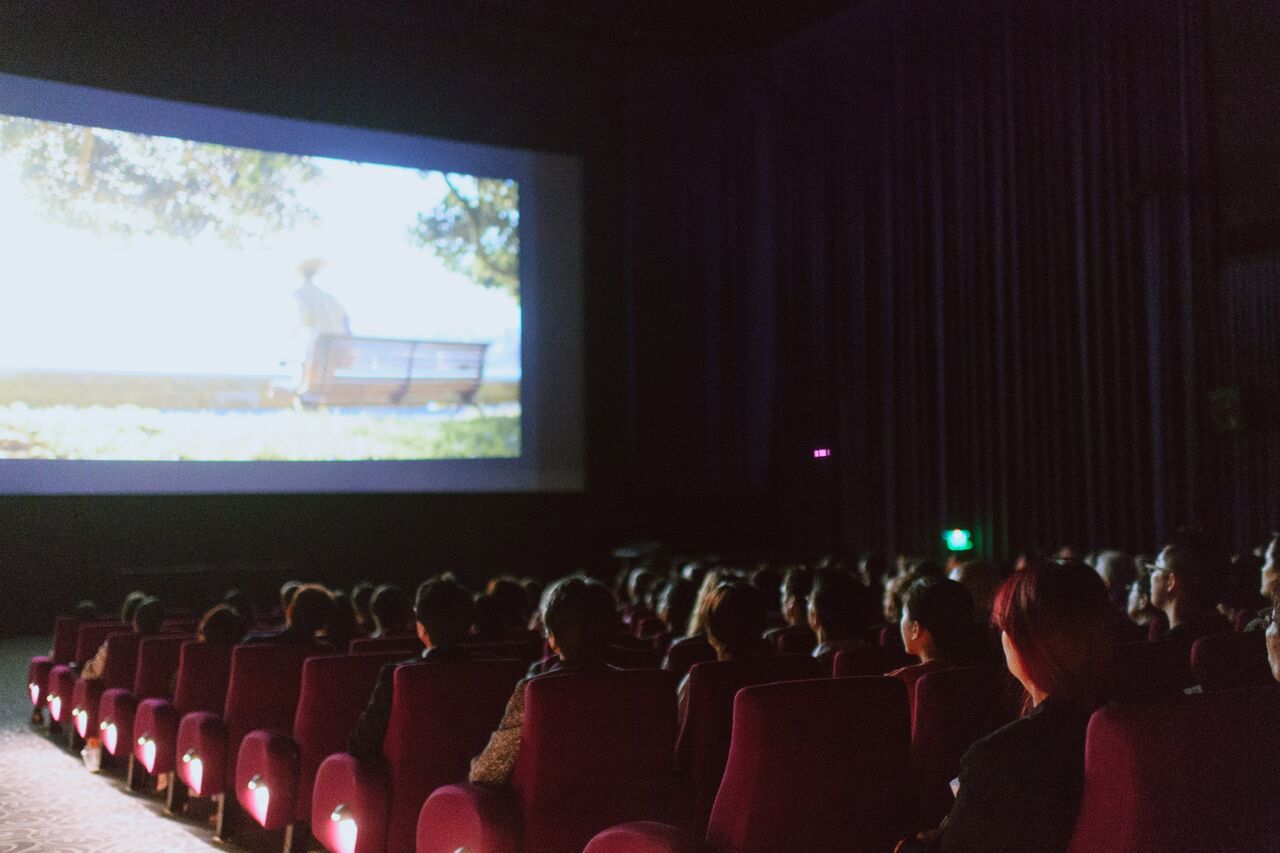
{"x":1020,"y":786}
{"x":365,"y":743}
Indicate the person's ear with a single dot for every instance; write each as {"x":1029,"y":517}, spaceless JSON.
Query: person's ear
{"x":552,"y":644}
{"x":1171,"y":584}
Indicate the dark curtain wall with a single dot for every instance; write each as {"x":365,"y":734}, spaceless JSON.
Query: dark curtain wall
{"x":966,"y":246}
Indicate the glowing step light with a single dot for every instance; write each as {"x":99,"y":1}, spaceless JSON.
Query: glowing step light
{"x":261,"y":797}
{"x":35,"y":693}
{"x":110,"y":735}
{"x":346,"y":828}
{"x":81,"y":717}
{"x":55,"y":707}
{"x":148,"y":752}
{"x":957,"y":539}
{"x":195,"y":769}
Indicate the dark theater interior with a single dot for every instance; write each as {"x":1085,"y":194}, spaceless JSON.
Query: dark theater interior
{"x":549,"y":426}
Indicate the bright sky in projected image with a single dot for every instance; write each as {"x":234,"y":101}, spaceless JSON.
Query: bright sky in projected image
{"x":74,"y":300}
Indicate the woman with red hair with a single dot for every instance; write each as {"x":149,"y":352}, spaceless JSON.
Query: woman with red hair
{"x":1020,"y":787}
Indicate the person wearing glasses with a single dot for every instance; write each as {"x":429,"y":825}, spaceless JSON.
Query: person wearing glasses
{"x":1185,"y":581}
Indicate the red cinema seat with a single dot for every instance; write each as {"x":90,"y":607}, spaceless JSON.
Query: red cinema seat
{"x":685,"y":652}
{"x":1152,"y":670}
{"x":595,"y":750}
{"x":1193,"y":775}
{"x":402,"y":645}
{"x":1224,"y":661}
{"x":262,"y":693}
{"x":703,"y":743}
{"x":441,"y":717}
{"x":201,"y":685}
{"x":827,"y":659}
{"x":276,"y":770}
{"x":856,"y":662}
{"x":64,"y":647}
{"x":794,"y":640}
{"x":62,"y":678}
{"x":818,"y":766}
{"x":953,"y":709}
{"x":117,"y":672}
{"x":650,"y":627}
{"x":153,"y":676}
{"x":624,"y":657}
{"x":524,"y":649}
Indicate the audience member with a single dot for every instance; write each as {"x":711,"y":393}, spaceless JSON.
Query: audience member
{"x":443,"y":613}
{"x":1020,"y":787}
{"x":1273,"y":632}
{"x":287,"y":590}
{"x":1270,"y":568}
{"x":840,"y":612}
{"x":580,"y":617}
{"x":796,"y":585}
{"x":238,"y":600}
{"x":1139,"y":606}
{"x":131,"y":602}
{"x":937,"y":627}
{"x":147,"y":616}
{"x":223,"y":625}
{"x":735,"y":620}
{"x":486,"y":619}
{"x":710,"y":580}
{"x":512,"y":600}
{"x":1117,"y":571}
{"x":309,"y":611}
{"x":342,"y":625}
{"x":982,"y":579}
{"x":675,"y":604}
{"x":390,"y":608}
{"x":1184,"y":586}
{"x":640,"y":582}
{"x":361,"y":596}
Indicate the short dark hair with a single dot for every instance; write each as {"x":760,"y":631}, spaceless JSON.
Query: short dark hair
{"x":582,"y":614}
{"x":390,"y":607}
{"x":843,"y":605}
{"x":486,"y":614}
{"x":287,"y":591}
{"x":513,"y":601}
{"x":797,"y":582}
{"x":676,"y":601}
{"x":361,"y":595}
{"x":239,"y":601}
{"x":443,"y":608}
{"x":945,"y":609}
{"x":1201,"y":567}
{"x":130,"y":605}
{"x":85,"y":610}
{"x":149,"y":616}
{"x":311,"y":609}
{"x":223,"y":625}
{"x":736,"y":615}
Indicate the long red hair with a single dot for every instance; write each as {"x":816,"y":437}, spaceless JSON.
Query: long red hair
{"x":1059,"y":618}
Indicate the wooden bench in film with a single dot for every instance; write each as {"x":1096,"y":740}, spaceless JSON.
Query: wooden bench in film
{"x":351,"y":371}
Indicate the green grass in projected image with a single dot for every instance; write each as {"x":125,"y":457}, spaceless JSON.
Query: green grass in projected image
{"x":132,"y":433}
{"x":170,"y":299}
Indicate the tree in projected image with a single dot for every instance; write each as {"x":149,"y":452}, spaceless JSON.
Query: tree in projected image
{"x":475,"y":230}
{"x":126,"y":183}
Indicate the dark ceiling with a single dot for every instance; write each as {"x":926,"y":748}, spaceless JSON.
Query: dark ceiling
{"x":694,"y":27}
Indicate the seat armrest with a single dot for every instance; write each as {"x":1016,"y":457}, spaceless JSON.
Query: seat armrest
{"x":155,"y":735}
{"x":356,"y":793}
{"x":200,"y":754}
{"x":475,"y":817}
{"x":266,"y":780}
{"x":645,"y":837}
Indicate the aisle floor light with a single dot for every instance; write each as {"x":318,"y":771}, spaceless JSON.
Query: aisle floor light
{"x":82,"y":721}
{"x":55,"y":707}
{"x":346,"y":828}
{"x":195,"y":769}
{"x":261,"y":797}
{"x":35,"y":692}
{"x":110,"y":735}
{"x":148,"y":751}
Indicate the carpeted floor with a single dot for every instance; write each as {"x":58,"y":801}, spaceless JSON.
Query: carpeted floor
{"x":50,"y":804}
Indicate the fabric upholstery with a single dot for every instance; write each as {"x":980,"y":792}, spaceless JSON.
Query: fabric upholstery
{"x":685,"y":652}
{"x":1224,"y":661}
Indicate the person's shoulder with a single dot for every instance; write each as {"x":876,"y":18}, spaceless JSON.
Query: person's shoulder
{"x":1053,"y":722}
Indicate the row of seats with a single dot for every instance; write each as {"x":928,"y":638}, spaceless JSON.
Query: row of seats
{"x":268,"y":724}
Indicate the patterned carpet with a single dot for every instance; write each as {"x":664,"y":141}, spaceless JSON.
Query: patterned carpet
{"x":50,"y":804}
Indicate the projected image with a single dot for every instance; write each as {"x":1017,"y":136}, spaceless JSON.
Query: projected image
{"x":165,"y":299}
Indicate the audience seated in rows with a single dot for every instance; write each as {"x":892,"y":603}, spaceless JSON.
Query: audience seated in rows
{"x":391,"y":611}
{"x":937,"y":627}
{"x":796,"y":636}
{"x":840,"y":612}
{"x":1184,"y":586}
{"x":308,"y":612}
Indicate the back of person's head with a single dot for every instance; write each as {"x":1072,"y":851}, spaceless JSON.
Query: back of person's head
{"x":581,"y":615}
{"x":839,"y":604}
{"x":342,"y":624}
{"x":533,"y":590}
{"x":287,"y":590}
{"x":149,"y":616}
{"x":130,"y":605}
{"x":639,"y":582}
{"x":85,"y":610}
{"x":874,"y":569}
{"x":982,"y":578}
{"x":361,"y":595}
{"x":444,"y":610}
{"x":240,"y":602}
{"x":698,"y":617}
{"x":1058,"y":619}
{"x":1241,"y":590}
{"x":767,"y":581}
{"x":486,"y":615}
{"x":676,"y":603}
{"x":223,"y":625}
{"x":1201,"y":568}
{"x":797,"y":583}
{"x":513,"y":601}
{"x":735,"y":620}
{"x":311,"y":609}
{"x":390,"y":608}
{"x":944,"y":608}
{"x":1117,"y":571}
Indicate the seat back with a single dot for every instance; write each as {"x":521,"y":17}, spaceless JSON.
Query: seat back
{"x":685,"y":652}
{"x":795,"y":640}
{"x":524,"y":649}
{"x":953,"y":708}
{"x":91,"y":635}
{"x":1152,"y":669}
{"x":819,"y":766}
{"x":624,"y":657}
{"x":334,"y":690}
{"x":405,"y":646}
{"x":703,"y":743}
{"x":1194,"y":775}
{"x":64,"y":639}
{"x":262,"y":692}
{"x":857,"y":661}
{"x":1222,"y":661}
{"x":203,"y":672}
{"x":122,"y":660}
{"x":595,"y":750}
{"x":157,"y":663}
{"x":441,"y":717}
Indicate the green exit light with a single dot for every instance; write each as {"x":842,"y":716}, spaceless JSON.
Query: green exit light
{"x":958,"y":540}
